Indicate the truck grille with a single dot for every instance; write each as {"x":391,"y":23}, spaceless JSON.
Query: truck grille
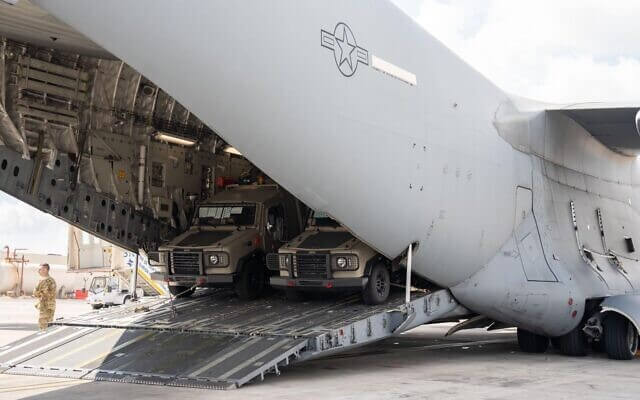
{"x":273,"y":262}
{"x":312,"y":266}
{"x":186,"y":263}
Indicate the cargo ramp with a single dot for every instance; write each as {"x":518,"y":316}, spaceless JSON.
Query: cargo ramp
{"x":213,"y":340}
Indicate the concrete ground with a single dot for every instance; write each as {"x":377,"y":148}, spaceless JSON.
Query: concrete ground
{"x":420,"y":364}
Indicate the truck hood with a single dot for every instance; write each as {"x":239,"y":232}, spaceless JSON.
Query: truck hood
{"x":323,"y":240}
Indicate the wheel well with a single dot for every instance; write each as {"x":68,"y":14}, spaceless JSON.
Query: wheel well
{"x":254,"y":255}
{"x":375,"y":260}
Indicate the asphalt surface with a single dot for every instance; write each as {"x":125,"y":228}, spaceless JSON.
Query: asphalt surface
{"x":420,"y":364}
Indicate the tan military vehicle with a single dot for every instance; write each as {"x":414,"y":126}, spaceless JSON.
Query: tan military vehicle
{"x":328,"y":257}
{"x":230,"y":235}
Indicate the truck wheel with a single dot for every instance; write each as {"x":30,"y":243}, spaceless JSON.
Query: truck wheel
{"x":96,"y":306}
{"x":574,"y":343}
{"x":620,"y":337}
{"x":530,"y":342}
{"x":377,"y":289}
{"x":251,"y":281}
{"x":181,"y":291}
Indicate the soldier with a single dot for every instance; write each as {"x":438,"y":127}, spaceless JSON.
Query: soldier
{"x":46,"y":293}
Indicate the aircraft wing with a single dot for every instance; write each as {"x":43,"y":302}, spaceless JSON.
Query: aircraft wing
{"x":617,"y":126}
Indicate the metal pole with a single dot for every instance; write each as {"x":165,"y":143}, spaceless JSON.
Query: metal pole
{"x":407,"y":289}
{"x":134,"y":278}
{"x":21,"y":291}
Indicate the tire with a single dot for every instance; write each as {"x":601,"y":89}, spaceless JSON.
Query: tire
{"x":620,"y":337}
{"x":126,"y":300}
{"x":574,"y":343}
{"x":293,"y":295}
{"x":378,"y":287}
{"x":181,"y":291}
{"x":251,"y":281}
{"x":598,"y":346}
{"x":555,"y":343}
{"x":96,"y":306}
{"x":530,"y":342}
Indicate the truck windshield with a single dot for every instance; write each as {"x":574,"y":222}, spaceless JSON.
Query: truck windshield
{"x":98,"y":284}
{"x":227,"y":215}
{"x":319,"y":218}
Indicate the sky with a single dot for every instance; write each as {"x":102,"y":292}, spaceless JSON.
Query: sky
{"x":559,"y":51}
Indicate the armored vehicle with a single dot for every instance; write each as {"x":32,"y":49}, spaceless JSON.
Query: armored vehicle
{"x":326,"y":256}
{"x":229,"y":238}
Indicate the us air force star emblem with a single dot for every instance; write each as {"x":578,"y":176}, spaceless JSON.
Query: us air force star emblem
{"x":346,"y":52}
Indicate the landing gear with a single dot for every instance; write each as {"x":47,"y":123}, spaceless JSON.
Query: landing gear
{"x":378,"y":287}
{"x":181,"y":291}
{"x":251,"y":281}
{"x":574,"y":343}
{"x":530,"y":342}
{"x":620,"y":337}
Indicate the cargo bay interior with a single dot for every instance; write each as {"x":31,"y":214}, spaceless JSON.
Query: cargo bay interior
{"x":92,"y":141}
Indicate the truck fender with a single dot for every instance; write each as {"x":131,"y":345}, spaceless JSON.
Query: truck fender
{"x":627,"y":305}
{"x":255,"y":254}
{"x":375,"y":260}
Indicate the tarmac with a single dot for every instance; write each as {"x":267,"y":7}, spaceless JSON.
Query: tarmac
{"x":420,"y":364}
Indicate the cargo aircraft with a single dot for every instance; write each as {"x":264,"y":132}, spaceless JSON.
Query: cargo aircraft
{"x":528,"y":213}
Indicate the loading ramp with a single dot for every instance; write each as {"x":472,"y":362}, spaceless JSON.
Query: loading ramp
{"x":213,"y":340}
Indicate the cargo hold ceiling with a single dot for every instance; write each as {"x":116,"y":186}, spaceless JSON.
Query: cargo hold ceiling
{"x":27,"y":23}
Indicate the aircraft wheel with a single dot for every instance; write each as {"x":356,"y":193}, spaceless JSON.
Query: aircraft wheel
{"x":96,"y":306}
{"x":378,"y":287}
{"x":530,"y":342}
{"x":574,"y":343}
{"x":251,"y":281}
{"x":181,"y":291}
{"x":555,"y":343}
{"x":598,"y":346}
{"x":620,"y":337}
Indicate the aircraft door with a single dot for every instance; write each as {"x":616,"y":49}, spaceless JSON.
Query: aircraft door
{"x":534,"y":262}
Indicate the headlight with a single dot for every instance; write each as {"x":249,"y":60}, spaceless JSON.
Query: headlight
{"x":284,"y":261}
{"x":216,"y":259}
{"x":346,"y":262}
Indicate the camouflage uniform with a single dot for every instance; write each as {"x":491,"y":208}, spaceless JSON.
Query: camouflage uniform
{"x":46,"y":292}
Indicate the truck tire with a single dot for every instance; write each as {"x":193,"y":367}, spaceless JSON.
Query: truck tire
{"x":530,"y":342}
{"x":378,"y":287}
{"x":620,"y":337}
{"x":181,"y":291}
{"x":251,"y":281}
{"x":574,"y":343}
